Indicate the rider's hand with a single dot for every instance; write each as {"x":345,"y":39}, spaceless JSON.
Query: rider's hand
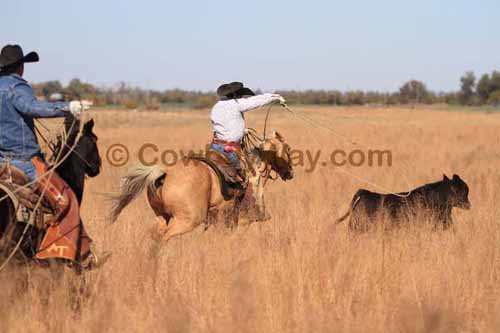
{"x":76,"y":107}
{"x":279,"y":98}
{"x":282,"y":101}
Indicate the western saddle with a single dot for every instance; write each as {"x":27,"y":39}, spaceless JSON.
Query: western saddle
{"x":16,"y":181}
{"x":232,"y":183}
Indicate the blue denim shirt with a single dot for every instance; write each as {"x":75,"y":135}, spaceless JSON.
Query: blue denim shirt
{"x":18,"y":108}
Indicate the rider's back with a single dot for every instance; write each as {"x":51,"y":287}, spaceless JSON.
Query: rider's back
{"x":18,"y":107}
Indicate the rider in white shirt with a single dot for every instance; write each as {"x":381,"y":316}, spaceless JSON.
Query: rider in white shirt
{"x":228,"y":119}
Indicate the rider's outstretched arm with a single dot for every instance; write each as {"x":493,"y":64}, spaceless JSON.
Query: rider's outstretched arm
{"x":250,"y":103}
{"x":26,"y":103}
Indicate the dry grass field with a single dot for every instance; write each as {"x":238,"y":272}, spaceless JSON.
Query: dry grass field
{"x":296,"y":273}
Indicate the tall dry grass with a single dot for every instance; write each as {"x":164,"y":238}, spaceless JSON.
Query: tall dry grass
{"x":296,"y":273}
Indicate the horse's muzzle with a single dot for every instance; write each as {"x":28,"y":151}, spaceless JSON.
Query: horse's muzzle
{"x":287,"y":175}
{"x":466,"y":205}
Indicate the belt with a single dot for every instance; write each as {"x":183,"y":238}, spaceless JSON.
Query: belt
{"x":226,"y":143}
{"x":20,"y":157}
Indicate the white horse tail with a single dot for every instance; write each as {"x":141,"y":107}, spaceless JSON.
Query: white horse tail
{"x":132,"y":185}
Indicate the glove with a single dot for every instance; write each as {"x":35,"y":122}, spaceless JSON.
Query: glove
{"x":76,"y":107}
{"x":279,"y":99}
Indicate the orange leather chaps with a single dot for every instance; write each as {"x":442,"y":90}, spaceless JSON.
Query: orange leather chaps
{"x":65,"y":237}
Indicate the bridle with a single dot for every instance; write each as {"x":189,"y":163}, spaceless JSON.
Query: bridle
{"x":63,"y":142}
{"x":251,"y":142}
{"x":83,"y":159}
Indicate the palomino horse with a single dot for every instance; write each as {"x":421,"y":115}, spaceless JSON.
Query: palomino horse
{"x":191,"y":192}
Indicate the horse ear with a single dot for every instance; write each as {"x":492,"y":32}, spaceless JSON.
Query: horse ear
{"x":445,"y":177}
{"x":268,"y":146}
{"x":277,"y":135}
{"x":89,"y":125}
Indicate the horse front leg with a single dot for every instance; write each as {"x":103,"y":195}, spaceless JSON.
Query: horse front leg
{"x":252,"y":207}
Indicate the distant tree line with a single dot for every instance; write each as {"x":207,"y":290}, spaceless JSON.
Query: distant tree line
{"x":485,"y":91}
{"x":123,"y":95}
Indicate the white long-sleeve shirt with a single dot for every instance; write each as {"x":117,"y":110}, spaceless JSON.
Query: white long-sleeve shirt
{"x":227,"y":116}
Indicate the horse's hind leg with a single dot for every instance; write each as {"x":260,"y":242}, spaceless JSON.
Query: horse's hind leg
{"x":178,"y":226}
{"x":160,"y":227}
{"x":162,"y":224}
{"x":162,"y":218}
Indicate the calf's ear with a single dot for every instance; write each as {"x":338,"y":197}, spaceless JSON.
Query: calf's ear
{"x":456,"y":177}
{"x":445,"y":177}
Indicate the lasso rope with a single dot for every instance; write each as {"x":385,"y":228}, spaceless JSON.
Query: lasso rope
{"x":59,"y":161}
{"x":318,"y":125}
{"x":267,"y":118}
{"x":252,"y":141}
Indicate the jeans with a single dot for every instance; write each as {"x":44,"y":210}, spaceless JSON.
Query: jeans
{"x":27,"y":166}
{"x":231,"y":155}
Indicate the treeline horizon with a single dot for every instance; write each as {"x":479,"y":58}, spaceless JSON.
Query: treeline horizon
{"x":472,"y":92}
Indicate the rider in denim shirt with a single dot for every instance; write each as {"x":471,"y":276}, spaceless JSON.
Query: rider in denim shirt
{"x":18,"y":109}
{"x":65,"y":237}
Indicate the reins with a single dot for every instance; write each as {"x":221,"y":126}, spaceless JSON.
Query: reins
{"x":49,"y":144}
{"x":252,"y":141}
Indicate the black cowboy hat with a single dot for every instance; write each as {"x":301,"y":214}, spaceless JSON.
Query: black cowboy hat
{"x":13,"y":54}
{"x":234,"y":90}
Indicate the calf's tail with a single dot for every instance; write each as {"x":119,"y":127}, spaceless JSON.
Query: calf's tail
{"x":354,"y":202}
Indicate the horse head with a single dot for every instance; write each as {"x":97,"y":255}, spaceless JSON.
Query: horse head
{"x":87,"y":150}
{"x":275,"y":152}
{"x":83,"y":160}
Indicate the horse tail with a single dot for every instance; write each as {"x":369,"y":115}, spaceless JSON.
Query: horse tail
{"x":132,"y":185}
{"x":353,"y":205}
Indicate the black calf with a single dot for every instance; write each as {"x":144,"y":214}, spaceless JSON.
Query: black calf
{"x":435,"y":199}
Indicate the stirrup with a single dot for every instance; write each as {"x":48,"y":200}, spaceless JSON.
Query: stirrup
{"x":90,"y":261}
{"x":93,"y":261}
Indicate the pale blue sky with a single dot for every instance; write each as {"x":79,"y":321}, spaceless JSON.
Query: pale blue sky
{"x":266,"y":44}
